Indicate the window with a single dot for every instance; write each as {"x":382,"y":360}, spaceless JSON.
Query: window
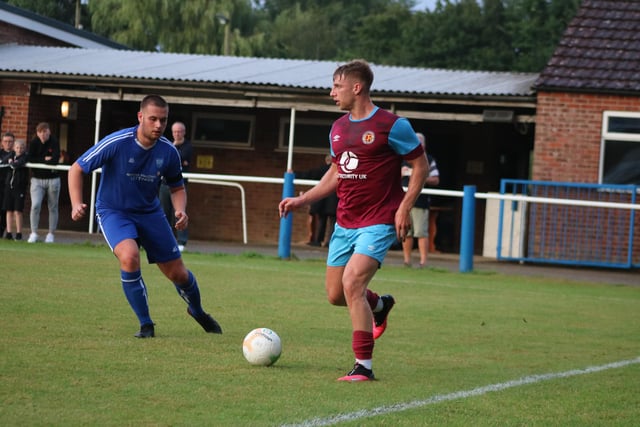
{"x":310,"y":135}
{"x":223,"y":130}
{"x":620,"y":151}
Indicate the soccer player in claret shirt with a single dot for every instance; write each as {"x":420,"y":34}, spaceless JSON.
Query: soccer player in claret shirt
{"x":133,"y":163}
{"x":368,"y":145}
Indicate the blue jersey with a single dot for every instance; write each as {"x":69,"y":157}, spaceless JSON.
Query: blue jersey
{"x":131,"y":174}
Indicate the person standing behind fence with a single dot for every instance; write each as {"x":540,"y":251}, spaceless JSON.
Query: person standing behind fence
{"x":420,"y":211}
{"x":133,"y":162}
{"x":6,"y":151}
{"x":185,"y":149}
{"x":15,"y":189}
{"x":44,"y":148}
{"x":320,"y":210}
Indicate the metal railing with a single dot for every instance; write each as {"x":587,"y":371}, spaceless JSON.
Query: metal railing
{"x":469,"y":196}
{"x":574,"y":223}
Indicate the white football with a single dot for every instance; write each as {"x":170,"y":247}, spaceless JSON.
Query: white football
{"x":262,"y":346}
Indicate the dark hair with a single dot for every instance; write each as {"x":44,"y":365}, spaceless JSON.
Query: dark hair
{"x":9,"y":134}
{"x":358,"y":69}
{"x":156,"y":100}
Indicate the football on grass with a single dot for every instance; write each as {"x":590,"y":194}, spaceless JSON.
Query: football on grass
{"x":262,"y":346}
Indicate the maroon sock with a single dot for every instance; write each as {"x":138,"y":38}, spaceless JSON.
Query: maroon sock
{"x":372,"y":299}
{"x":362,"y":344}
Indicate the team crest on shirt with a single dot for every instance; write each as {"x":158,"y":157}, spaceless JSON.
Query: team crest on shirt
{"x":368,"y":137}
{"x":159,"y":163}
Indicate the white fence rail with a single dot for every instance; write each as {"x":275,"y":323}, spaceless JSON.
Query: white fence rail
{"x":235,"y":180}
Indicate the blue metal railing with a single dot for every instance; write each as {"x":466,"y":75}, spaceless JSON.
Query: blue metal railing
{"x":570,"y":233}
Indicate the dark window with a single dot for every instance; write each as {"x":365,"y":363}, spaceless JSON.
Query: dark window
{"x":310,"y":135}
{"x":620,"y":148}
{"x":222,"y":130}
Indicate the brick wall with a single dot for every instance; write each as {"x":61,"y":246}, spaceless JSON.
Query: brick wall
{"x":568,"y":132}
{"x":567,"y":149}
{"x":12,"y":34}
{"x":14,"y":97}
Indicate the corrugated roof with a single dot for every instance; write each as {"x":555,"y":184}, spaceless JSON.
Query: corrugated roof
{"x":171,"y":67}
{"x":599,"y":51}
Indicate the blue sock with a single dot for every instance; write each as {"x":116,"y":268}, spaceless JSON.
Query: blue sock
{"x":136,"y":293}
{"x":191,"y":294}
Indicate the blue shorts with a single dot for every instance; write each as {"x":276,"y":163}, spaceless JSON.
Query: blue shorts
{"x":151,"y":230}
{"x":373,"y":241}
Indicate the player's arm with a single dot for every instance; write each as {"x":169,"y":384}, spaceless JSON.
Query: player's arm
{"x":322,"y":189}
{"x":75,"y":177}
{"x":179,"y":202}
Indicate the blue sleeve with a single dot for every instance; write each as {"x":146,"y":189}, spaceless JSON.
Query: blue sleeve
{"x":402,"y":137}
{"x":94,"y":157}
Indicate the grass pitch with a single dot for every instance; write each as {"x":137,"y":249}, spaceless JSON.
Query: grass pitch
{"x":68,"y":356}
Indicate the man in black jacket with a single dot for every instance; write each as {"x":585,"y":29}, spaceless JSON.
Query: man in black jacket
{"x":44,"y":148}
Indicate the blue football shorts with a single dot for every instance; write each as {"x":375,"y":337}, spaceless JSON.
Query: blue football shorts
{"x":373,"y":241}
{"x":151,"y":230}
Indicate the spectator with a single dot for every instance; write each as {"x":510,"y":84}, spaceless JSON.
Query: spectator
{"x":322,"y":210}
{"x":419,"y":211}
{"x":6,"y":151}
{"x":185,"y":150}
{"x":44,"y":148}
{"x":15,"y":189}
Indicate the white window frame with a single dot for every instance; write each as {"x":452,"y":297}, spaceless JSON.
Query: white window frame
{"x":615,"y":136}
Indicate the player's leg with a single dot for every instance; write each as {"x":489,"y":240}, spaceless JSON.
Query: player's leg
{"x":133,"y":285}
{"x":340,"y":252}
{"x":370,"y":245}
{"x":120,"y":234}
{"x":187,"y":286}
{"x":160,"y":244}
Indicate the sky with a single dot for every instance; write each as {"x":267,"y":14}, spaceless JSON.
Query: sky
{"x":425,"y":4}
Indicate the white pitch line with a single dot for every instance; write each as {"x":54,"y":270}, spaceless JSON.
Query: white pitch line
{"x":398,"y":407}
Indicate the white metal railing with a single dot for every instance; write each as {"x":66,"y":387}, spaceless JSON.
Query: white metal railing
{"x":199,"y":178}
{"x":234,"y":180}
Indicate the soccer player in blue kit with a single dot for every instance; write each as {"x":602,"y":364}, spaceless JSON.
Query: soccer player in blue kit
{"x":133,"y":162}
{"x":368,"y":145}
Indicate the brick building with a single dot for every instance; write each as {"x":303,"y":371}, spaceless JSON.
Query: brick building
{"x":588,"y":116}
{"x":481,"y":127}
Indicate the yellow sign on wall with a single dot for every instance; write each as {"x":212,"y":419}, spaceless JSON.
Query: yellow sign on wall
{"x":204,"y":162}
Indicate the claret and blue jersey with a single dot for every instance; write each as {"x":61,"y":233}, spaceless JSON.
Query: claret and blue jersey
{"x":368,"y":154}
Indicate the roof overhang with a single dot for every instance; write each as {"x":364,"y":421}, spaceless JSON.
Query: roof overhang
{"x":411,"y":106}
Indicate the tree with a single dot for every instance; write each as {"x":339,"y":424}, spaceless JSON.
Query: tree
{"x":61,"y":10}
{"x":536,"y":27}
{"x":378,"y":35}
{"x":289,"y":36}
{"x":491,"y":35}
{"x":174,"y":26}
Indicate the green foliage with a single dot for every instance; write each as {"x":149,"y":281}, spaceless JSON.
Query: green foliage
{"x":62,"y":10}
{"x":492,"y":35}
{"x":69,"y":357}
